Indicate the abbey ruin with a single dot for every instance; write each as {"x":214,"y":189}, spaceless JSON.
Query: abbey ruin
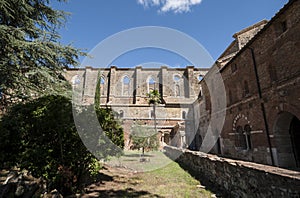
{"x":261,"y":75}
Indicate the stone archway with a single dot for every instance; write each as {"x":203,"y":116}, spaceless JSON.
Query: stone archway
{"x":287,"y":139}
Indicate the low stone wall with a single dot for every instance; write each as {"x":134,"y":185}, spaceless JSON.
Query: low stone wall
{"x":239,"y":178}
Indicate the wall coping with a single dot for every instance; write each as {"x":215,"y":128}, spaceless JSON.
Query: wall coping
{"x":259,"y":167}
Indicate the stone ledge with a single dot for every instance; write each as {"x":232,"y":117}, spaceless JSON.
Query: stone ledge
{"x":239,"y":178}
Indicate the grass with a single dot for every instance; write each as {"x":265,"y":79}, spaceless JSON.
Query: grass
{"x":160,"y":177}
{"x":131,"y":160}
{"x":173,"y":181}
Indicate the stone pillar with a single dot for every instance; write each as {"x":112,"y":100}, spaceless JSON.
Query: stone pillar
{"x":112,"y":83}
{"x":138,"y":84}
{"x":182,"y":139}
{"x":164,"y":81}
{"x":189,"y":78}
{"x":90,"y":81}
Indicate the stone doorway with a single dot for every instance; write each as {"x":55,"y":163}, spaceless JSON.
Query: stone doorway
{"x":295,"y":138}
{"x":287,"y":140}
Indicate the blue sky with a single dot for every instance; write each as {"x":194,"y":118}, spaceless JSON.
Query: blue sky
{"x":212,"y":23}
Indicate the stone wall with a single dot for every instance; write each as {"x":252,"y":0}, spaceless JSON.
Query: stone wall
{"x":239,"y":178}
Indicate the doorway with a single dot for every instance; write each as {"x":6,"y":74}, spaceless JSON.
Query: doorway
{"x":287,"y":140}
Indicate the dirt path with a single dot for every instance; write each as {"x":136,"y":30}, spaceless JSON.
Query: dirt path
{"x":117,"y":182}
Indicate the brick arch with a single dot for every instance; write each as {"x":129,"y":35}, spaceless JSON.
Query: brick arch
{"x":285,"y":139}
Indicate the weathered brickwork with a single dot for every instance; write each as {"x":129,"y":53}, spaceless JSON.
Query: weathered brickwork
{"x":262,"y":79}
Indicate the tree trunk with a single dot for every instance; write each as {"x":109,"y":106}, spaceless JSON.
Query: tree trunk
{"x":154,"y":110}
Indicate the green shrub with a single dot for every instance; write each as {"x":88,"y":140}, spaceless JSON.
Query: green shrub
{"x":41,"y":136}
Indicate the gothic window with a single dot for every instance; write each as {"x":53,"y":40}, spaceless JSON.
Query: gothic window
{"x":126,"y":86}
{"x":177,"y":81}
{"x":76,"y":80}
{"x":151,"y":84}
{"x":121,"y":114}
{"x":102,"y":80}
{"x":176,"y":78}
{"x":200,"y":77}
{"x":102,"y":85}
{"x":200,"y":92}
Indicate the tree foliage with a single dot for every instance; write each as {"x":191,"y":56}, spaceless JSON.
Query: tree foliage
{"x":108,"y":119}
{"x":111,"y":126}
{"x":41,"y":136}
{"x":153,"y":97}
{"x":31,"y":57}
{"x":143,"y":137}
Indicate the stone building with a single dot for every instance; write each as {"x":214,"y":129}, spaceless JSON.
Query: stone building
{"x":260,"y":71}
{"x":125,"y":91}
{"x":261,"y":74}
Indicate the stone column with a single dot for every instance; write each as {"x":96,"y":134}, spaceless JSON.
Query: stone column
{"x":138,"y":84}
{"x":112,"y":83}
{"x":164,"y":81}
{"x":90,"y":81}
{"x":190,"y":77}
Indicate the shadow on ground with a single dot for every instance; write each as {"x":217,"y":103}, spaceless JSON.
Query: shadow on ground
{"x":114,"y":184}
{"x":137,"y":155}
{"x":129,"y":192}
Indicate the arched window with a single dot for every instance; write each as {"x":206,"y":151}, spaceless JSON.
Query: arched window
{"x":200,"y":92}
{"x":102,"y":85}
{"x":76,"y":80}
{"x":102,"y":80}
{"x":200,"y":77}
{"x":151,"y":84}
{"x":121,"y":114}
{"x":243,"y":138}
{"x":177,"y":82}
{"x":176,"y":78}
{"x":126,"y":86}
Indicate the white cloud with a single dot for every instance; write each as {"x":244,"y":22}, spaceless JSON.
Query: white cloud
{"x":177,"y":6}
